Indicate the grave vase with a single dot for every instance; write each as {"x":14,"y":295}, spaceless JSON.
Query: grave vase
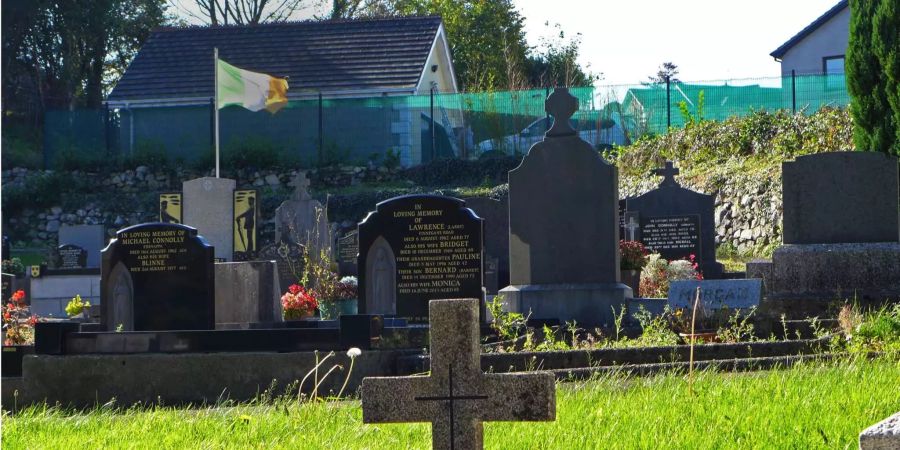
{"x":292,"y":314}
{"x":331,"y":310}
{"x":632,"y":279}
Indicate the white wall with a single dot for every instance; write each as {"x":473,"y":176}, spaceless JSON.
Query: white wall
{"x":830,"y":39}
{"x":443,"y":76}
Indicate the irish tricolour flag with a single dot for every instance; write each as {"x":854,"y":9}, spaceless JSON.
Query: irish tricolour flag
{"x":254,"y":91}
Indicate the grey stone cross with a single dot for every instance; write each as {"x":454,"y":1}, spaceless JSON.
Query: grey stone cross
{"x":457,"y":397}
{"x":301,"y":184}
{"x":668,"y":173}
{"x":631,"y":227}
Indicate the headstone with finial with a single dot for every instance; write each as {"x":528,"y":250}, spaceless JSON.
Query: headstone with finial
{"x":457,"y":397}
{"x":677,"y":222}
{"x":301,"y":219}
{"x":564,"y":228}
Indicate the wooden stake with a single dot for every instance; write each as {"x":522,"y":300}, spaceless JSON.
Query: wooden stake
{"x":693,"y":337}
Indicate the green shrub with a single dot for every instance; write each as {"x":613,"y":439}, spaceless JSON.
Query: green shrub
{"x":458,"y":172}
{"x":150,"y":153}
{"x":250,"y":153}
{"x":41,"y":191}
{"x":764,"y":135}
{"x":84,"y":160}
{"x":21,"y":147}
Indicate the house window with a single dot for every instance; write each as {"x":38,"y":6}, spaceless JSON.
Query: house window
{"x":833,"y":66}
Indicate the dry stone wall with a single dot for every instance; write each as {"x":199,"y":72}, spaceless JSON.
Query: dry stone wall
{"x":748,"y":210}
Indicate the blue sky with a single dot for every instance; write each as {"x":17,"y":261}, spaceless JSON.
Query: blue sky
{"x":708,"y":39}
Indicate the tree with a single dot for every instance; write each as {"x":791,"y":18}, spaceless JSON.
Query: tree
{"x":555,"y":62}
{"x":486,"y":38}
{"x":667,"y":71}
{"x":873,"y":75}
{"x":886,"y":44}
{"x":355,"y":9}
{"x":68,"y":53}
{"x":239,"y":12}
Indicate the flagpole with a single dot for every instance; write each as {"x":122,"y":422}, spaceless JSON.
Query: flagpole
{"x":216,"y":104}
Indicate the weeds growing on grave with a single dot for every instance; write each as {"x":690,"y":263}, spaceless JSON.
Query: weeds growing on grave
{"x":865,"y":332}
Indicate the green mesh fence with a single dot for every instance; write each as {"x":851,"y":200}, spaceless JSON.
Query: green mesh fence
{"x":424,"y":127}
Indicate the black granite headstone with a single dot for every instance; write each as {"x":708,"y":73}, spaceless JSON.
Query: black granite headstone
{"x":676,"y":222}
{"x":158,"y":276}
{"x":840,"y":198}
{"x":4,"y":251}
{"x":71,"y":257}
{"x":417,"y":248}
{"x":8,"y":281}
{"x":495,"y":213}
{"x":348,"y":251}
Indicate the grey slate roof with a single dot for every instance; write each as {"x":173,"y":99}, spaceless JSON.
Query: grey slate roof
{"x":780,"y":51}
{"x":177,"y":63}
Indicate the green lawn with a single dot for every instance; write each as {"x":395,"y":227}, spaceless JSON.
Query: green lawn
{"x":812,"y":406}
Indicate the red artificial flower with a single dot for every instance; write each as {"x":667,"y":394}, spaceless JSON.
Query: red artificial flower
{"x":295,"y":289}
{"x":32,"y":320}
{"x":19,"y":295}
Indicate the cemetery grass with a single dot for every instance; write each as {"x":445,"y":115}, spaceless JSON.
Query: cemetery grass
{"x":814,"y":405}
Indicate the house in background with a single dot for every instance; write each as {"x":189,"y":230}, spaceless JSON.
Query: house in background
{"x":820,"y":47}
{"x":348,"y":84}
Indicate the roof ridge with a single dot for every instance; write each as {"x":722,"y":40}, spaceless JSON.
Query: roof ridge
{"x":177,"y":28}
{"x":807,"y":30}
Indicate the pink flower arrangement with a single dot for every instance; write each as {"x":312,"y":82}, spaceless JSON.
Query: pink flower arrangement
{"x":298,"y":302}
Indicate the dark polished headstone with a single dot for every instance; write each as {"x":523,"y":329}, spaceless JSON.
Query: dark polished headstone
{"x":89,"y":237}
{"x":416,"y":248}
{"x":841,"y":198}
{"x":676,"y":222}
{"x":563,"y":199}
{"x":564,"y":227}
{"x":347,"y":253}
{"x":158,"y":276}
{"x":70,"y":257}
{"x":496,"y":238}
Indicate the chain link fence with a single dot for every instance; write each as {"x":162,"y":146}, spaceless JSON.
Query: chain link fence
{"x":411,"y":130}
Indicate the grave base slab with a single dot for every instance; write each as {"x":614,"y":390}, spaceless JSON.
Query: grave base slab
{"x":588,"y":304}
{"x":826,"y":272}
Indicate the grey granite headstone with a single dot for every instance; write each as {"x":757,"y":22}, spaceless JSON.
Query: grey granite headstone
{"x":89,"y":237}
{"x":716,"y":294}
{"x":676,"y":222}
{"x":457,"y":397}
{"x":840,"y":198}
{"x":247,"y":292}
{"x":884,"y":435}
{"x":288,"y":262}
{"x":208,"y":207}
{"x":564,"y":227}
{"x":300,"y":219}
